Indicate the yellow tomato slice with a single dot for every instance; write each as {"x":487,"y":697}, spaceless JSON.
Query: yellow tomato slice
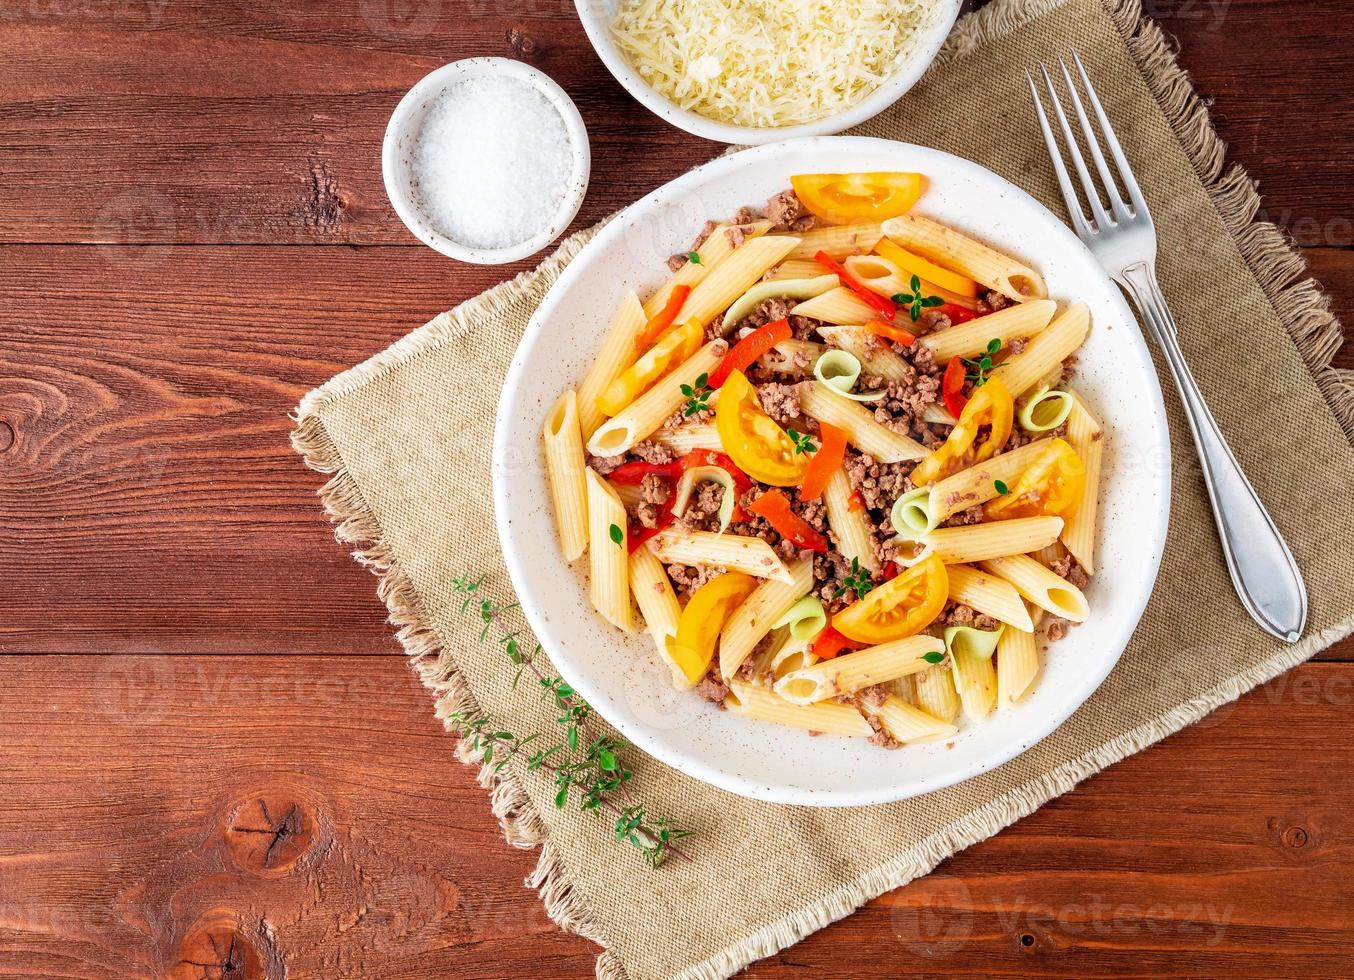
{"x":901,"y":607}
{"x":672,"y":349}
{"x":925,"y":269}
{"x":846,"y":198}
{"x":757,"y":445}
{"x":1050,"y":487}
{"x":704,"y":616}
{"x":991,"y":406}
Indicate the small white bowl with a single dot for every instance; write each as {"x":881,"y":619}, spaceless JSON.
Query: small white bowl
{"x":402,"y":133}
{"x":597,"y":15}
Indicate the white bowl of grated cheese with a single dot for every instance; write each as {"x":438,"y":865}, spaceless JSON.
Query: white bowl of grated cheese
{"x":754,"y":71}
{"x":486,"y":160}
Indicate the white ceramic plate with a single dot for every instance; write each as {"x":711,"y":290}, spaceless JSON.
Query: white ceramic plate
{"x":597,"y":15}
{"x":621,"y":676}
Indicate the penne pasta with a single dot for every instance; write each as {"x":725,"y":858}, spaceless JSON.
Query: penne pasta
{"x":867,"y":435}
{"x":687,"y":438}
{"x":1087,"y":438}
{"x":960,"y":253}
{"x":1046,"y":351}
{"x":904,"y":688}
{"x":989,"y":595}
{"x":1022,"y":320}
{"x":975,"y":680}
{"x":733,"y":276}
{"x":713,"y":251}
{"x":763,"y":290}
{"x":647,"y":413}
{"x":658,"y":605}
{"x":848,"y":524}
{"x":877,"y":358}
{"x":752,"y":620}
{"x":617,"y":353}
{"x":978,"y":484}
{"x":1041,"y":586}
{"x":1017,"y":663}
{"x":838,"y":305}
{"x":884,"y":276}
{"x":755,"y":701}
{"x":838,"y":241}
{"x":910,"y":725}
{"x":853,"y":672}
{"x":609,"y":583}
{"x":937,"y":414}
{"x":796,"y":269}
{"x":936,"y":694}
{"x":733,"y":551}
{"x":793,"y":357}
{"x":998,"y":539}
{"x":564,"y":466}
{"x":1052,"y":553}
{"x":951,"y":286}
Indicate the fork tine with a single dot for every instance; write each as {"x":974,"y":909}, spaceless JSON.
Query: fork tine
{"x":1102,"y":220}
{"x":1117,"y":151}
{"x":1106,"y":178}
{"x":1059,"y":168}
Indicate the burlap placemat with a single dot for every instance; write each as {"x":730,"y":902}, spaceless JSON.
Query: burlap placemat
{"x":407,"y":440}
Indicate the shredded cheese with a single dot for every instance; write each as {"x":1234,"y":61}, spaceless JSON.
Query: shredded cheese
{"x":767,"y":63}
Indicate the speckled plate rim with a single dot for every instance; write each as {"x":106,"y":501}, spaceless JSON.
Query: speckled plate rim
{"x":512,"y":459}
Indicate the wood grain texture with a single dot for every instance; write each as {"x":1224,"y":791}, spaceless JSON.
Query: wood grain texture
{"x":207,"y":816}
{"x":255,"y":816}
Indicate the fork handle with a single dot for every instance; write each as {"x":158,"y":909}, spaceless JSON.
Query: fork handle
{"x":1263,"y":571}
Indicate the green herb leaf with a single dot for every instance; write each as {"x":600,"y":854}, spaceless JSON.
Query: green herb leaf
{"x":914,"y":302}
{"x":617,"y":535}
{"x":803,"y":443}
{"x":694,"y":256}
{"x":933,"y":658}
{"x":1002,"y":488}
{"x":994,"y":345}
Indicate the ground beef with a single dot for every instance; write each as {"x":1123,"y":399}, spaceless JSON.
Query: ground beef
{"x":786,"y":210}
{"x":680,"y":417}
{"x":1055,"y":630}
{"x":736,"y":235}
{"x":963,"y":518}
{"x":1017,"y":346}
{"x":713,"y":689}
{"x":903,"y":407}
{"x":744,"y":216}
{"x":879,"y":484}
{"x":1069,"y":369}
{"x":686,"y":579}
{"x":605,"y":464}
{"x":646,"y":514}
{"x":882,"y":738}
{"x":991,"y":302}
{"x":706,"y":231}
{"x":654,"y":489}
{"x":1019,"y":437}
{"x":922,"y":360}
{"x":932,"y":320}
{"x":652,"y":452}
{"x":1070,"y":569}
{"x":702,"y":510}
{"x":676,"y":261}
{"x":957,"y":614}
{"x":780,"y":401}
{"x":829,"y":571}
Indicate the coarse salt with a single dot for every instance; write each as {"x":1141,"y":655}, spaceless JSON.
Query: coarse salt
{"x":492,"y":163}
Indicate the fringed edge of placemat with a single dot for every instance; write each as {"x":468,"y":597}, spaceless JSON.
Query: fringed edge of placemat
{"x":1277,"y":265}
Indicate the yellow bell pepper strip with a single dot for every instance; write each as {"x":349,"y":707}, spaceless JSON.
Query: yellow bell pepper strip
{"x":1051,"y":486}
{"x":672,"y":349}
{"x":989,"y":406}
{"x":658,"y":323}
{"x":703,"y":617}
{"x":846,"y":198}
{"x":756,"y":444}
{"x":925,"y":269}
{"x":901,"y":607}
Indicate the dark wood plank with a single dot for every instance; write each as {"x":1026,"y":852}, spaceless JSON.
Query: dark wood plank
{"x":256,"y":122}
{"x":132,"y":827}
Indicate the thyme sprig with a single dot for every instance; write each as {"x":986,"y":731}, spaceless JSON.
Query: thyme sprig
{"x":982,"y":365}
{"x":697,"y":395}
{"x":587,"y":766}
{"x":858,"y":581}
{"x":803,"y":442}
{"x":914,"y":301}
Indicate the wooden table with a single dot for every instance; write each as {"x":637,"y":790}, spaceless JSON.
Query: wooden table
{"x":208,"y":731}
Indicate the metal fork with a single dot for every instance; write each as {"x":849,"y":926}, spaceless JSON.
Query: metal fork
{"x":1124,"y":240}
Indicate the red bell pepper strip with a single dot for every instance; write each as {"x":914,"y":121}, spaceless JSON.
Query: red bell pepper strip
{"x":775,"y":507}
{"x":855,"y":501}
{"x":957,"y":314}
{"x":633,"y":474}
{"x":884,"y":306}
{"x":891,"y":571}
{"x":747,"y":350}
{"x":952,"y":386}
{"x":830,"y":643}
{"x":658,"y":323}
{"x":825,"y":462}
{"x":896,"y":334}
